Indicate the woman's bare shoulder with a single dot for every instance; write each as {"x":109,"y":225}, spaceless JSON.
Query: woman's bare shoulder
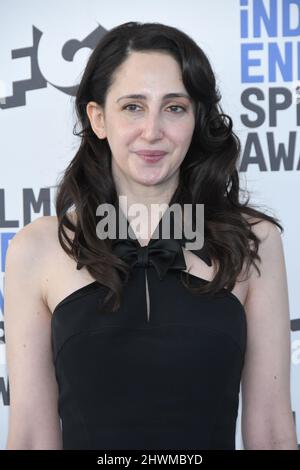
{"x":269,"y":236}
{"x":261,"y":227}
{"x":42,"y":230}
{"x":35,"y":243}
{"x":37,"y":227}
{"x":34,"y":235}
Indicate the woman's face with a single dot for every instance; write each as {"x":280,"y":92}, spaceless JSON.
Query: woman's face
{"x":151,"y":122}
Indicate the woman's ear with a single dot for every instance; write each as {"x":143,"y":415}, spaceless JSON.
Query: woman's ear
{"x":96,"y":117}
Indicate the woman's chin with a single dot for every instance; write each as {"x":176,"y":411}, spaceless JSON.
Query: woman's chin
{"x":148,"y":181}
{"x":148,"y":178}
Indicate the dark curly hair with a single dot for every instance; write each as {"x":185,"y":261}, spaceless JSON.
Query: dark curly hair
{"x":208,"y":173}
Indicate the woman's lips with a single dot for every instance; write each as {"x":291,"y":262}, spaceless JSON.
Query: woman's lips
{"x":151,"y":156}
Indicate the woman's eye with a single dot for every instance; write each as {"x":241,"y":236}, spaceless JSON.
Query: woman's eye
{"x":130,"y":106}
{"x":179,"y":107}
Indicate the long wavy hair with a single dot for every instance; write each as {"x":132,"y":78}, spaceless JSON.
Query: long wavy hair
{"x":208,"y":173}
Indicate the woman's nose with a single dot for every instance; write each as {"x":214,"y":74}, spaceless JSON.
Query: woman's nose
{"x":152,"y":127}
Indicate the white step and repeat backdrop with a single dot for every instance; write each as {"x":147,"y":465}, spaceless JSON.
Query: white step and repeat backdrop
{"x":254,"y":47}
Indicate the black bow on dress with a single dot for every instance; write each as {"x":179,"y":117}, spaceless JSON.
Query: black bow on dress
{"x":163,"y":254}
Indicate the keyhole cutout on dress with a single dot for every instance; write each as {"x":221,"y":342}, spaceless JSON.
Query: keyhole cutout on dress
{"x":147,"y":296}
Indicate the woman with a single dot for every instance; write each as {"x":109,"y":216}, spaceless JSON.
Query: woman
{"x":144,"y":345}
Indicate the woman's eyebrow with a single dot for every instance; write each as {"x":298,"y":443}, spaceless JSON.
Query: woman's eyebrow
{"x":144,"y":97}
